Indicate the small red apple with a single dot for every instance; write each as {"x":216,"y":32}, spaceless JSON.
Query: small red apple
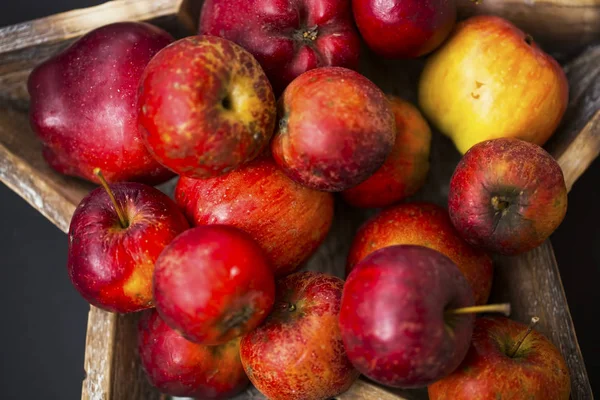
{"x":288,"y":220}
{"x":396,"y":319}
{"x":83,"y":104}
{"x":404,"y":28}
{"x":406,"y":168}
{"x":116,"y":235}
{"x":506,"y":361}
{"x":298,"y":354}
{"x":213,"y":283}
{"x":178,"y":367}
{"x":426,"y":225}
{"x":206,"y":106}
{"x":336,"y":128}
{"x":507,"y":196}
{"x":287,"y":37}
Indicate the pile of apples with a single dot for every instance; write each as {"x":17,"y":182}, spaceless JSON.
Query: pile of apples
{"x":218,"y":268}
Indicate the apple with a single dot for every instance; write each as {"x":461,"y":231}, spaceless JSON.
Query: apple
{"x":405,"y":170}
{"x":491,"y":80}
{"x":507,"y":196}
{"x":205,"y":106}
{"x":426,"y":225}
{"x":115,"y":237}
{"x":506,"y":361}
{"x":288,"y":220}
{"x":396,"y":316}
{"x":213,"y":283}
{"x":298,"y":354}
{"x":336,"y":128}
{"x":178,"y":367}
{"x":83,"y":104}
{"x":404,"y":28}
{"x":287,"y":37}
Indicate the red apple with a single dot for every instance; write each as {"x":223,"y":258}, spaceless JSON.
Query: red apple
{"x":395,"y":316}
{"x":406,"y":168}
{"x":206,"y":106}
{"x":507,"y":196}
{"x":493,"y":369}
{"x":83,"y":104}
{"x":178,"y":367}
{"x":288,"y":220}
{"x":287,"y":37}
{"x":336,"y":128}
{"x":426,"y":225}
{"x":404,"y":28}
{"x":116,"y":235}
{"x":298,"y":354}
{"x":213,"y":283}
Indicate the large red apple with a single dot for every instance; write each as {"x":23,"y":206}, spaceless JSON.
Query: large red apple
{"x":395,"y":316}
{"x":507,"y":196}
{"x":213,"y":283}
{"x":336,"y":128}
{"x":496,"y":367}
{"x":205,"y":106}
{"x":178,"y":367}
{"x":115,"y":238}
{"x":426,"y":225}
{"x":288,"y":220}
{"x":404,"y":28}
{"x":298,"y":354}
{"x":287,"y":37}
{"x":83,"y":104}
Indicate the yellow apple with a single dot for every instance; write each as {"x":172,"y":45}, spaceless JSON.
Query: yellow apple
{"x":490,"y":80}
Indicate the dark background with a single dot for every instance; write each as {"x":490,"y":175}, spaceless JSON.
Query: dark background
{"x":42,"y":333}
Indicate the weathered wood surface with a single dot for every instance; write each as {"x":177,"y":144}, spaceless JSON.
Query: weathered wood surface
{"x":531,"y":282}
{"x":563,"y":26}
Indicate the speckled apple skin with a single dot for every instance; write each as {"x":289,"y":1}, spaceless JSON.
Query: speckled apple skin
{"x":336,"y":129}
{"x":298,"y":354}
{"x":288,"y":220}
{"x":178,"y":367}
{"x":427,"y":225}
{"x":538,"y":372}
{"x":112,"y":266}
{"x":83,"y":104}
{"x":205,"y":106}
{"x":515,"y":171}
{"x":392,"y":316}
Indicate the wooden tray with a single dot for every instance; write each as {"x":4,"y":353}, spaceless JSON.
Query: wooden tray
{"x":531,"y":282}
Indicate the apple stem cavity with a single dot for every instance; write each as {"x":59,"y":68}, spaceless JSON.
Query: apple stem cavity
{"x":122,"y":220}
{"x":503,"y":308}
{"x":529,"y":39}
{"x":517,"y":345}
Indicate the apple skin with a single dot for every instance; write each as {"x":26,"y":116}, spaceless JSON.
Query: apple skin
{"x":392,"y":316}
{"x":336,"y":128}
{"x":262,"y":201}
{"x":405,"y":170}
{"x":206,"y":106}
{"x":83,"y":104}
{"x":404,"y":28}
{"x":467,"y":93}
{"x":287,"y":37}
{"x":298,"y":354}
{"x":538,"y":372}
{"x":507,"y":196}
{"x":213,"y":283}
{"x":111,"y":266}
{"x":426,"y":225}
{"x":178,"y":367}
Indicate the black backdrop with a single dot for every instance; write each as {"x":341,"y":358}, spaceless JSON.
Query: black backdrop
{"x":42,"y":328}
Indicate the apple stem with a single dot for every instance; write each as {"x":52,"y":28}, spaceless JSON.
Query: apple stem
{"x":518,"y":344}
{"x":118,"y":209}
{"x":503,"y":308}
